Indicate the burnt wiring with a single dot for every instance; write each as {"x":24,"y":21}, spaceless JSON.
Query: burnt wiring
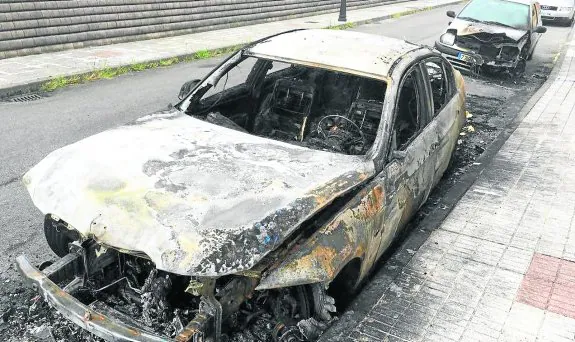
{"x":222,"y":92}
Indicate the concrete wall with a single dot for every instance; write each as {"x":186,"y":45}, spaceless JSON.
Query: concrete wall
{"x":30,"y":26}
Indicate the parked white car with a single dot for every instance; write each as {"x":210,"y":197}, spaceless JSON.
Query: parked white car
{"x":560,"y":11}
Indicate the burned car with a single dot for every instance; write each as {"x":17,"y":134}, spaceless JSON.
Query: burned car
{"x":492,"y":35}
{"x":262,"y":199}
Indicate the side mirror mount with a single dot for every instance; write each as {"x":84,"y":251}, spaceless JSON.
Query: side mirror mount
{"x":451,"y":14}
{"x":398,"y":155}
{"x":187,"y":87}
{"x":541,"y":29}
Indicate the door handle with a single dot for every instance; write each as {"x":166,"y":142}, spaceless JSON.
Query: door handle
{"x":434,"y":146}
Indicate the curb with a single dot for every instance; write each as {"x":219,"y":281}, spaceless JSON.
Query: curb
{"x":414,"y":238}
{"x":36,"y":86}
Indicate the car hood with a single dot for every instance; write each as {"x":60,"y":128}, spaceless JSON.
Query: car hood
{"x":196,"y":198}
{"x":465,"y":28}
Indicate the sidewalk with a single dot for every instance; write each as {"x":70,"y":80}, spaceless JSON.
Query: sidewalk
{"x":31,"y":70}
{"x":501,"y":266}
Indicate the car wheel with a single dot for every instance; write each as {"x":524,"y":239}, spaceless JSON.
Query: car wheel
{"x":520,"y":68}
{"x":56,"y":239}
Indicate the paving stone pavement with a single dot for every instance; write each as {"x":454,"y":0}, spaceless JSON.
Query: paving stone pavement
{"x":501,"y":266}
{"x":19,"y":71}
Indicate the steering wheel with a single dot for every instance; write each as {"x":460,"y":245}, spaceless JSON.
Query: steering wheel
{"x":336,"y":129}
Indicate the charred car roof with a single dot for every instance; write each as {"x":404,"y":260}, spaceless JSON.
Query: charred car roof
{"x":347,"y":51}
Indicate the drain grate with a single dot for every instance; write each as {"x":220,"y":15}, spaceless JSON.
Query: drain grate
{"x":25,"y":98}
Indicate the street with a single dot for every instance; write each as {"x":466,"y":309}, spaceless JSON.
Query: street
{"x":31,"y":130}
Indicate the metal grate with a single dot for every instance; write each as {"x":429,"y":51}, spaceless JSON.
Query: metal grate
{"x":24,"y":98}
{"x":458,"y":64}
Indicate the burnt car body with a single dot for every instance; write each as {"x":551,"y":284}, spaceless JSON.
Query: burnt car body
{"x":272,"y":187}
{"x":495,"y":35}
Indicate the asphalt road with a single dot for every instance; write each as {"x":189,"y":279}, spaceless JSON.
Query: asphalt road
{"x":29,"y":131}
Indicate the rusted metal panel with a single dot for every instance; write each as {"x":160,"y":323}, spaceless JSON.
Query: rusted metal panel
{"x":345,"y":237}
{"x":196,"y":198}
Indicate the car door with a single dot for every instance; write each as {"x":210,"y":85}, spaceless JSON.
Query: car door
{"x":409,"y":170}
{"x":445,"y":114}
{"x":400,"y":177}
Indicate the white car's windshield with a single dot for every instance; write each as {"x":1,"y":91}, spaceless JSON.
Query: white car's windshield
{"x":497,"y":12}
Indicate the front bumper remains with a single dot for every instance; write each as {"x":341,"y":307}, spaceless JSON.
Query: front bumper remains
{"x":95,"y":318}
{"x":472,"y":61}
{"x":552,"y":15}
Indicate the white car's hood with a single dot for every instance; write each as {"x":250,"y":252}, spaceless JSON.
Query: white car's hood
{"x":196,"y":198}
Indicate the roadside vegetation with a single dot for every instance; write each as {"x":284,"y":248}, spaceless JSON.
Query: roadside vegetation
{"x":107,"y":73}
{"x":342,"y":26}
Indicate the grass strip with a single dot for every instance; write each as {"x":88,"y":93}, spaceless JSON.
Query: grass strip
{"x":108,"y":73}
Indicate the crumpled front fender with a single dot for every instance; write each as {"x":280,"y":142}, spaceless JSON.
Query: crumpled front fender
{"x":344,"y":238}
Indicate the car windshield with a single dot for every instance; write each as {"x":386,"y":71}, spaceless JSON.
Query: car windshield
{"x":312,"y":107}
{"x":498,"y":12}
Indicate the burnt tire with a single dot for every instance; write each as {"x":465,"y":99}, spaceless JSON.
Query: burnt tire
{"x":56,"y":239}
{"x":520,"y":68}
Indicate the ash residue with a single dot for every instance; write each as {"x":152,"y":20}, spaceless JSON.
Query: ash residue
{"x":25,"y":316}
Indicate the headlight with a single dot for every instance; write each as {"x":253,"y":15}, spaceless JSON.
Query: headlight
{"x":447,"y":38}
{"x":565,"y":9}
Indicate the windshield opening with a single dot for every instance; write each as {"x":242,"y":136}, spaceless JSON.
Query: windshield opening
{"x":312,"y":107}
{"x":505,"y":13}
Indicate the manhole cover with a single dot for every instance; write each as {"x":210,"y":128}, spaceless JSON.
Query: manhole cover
{"x":24,"y":98}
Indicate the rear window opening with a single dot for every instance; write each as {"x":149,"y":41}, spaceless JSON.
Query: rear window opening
{"x":312,"y":107}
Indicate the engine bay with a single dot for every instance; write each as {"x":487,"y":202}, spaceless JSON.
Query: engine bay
{"x":129,"y":289}
{"x":316,"y":108}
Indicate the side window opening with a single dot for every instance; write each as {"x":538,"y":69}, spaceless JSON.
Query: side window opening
{"x":233,"y":79}
{"x":437,"y":77}
{"x":408,"y":112}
